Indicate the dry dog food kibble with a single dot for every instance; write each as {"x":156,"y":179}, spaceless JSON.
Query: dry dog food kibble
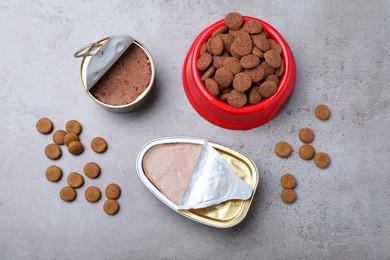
{"x":113,"y":191}
{"x":322,"y":160}
{"x":111,"y":207}
{"x":70,"y":137}
{"x":306,"y":151}
{"x":306,"y":135}
{"x":236,"y":51}
{"x":322,"y":112}
{"x":44,"y":126}
{"x":53,"y":151}
{"x":288,"y":195}
{"x":283,"y":149}
{"x":58,"y":137}
{"x":68,"y":194}
{"x":75,"y":180}
{"x":72,"y":126}
{"x":288,"y":181}
{"x":53,"y":173}
{"x":92,"y":194}
{"x":75,"y":148}
{"x":99,"y":145}
{"x":92,"y":170}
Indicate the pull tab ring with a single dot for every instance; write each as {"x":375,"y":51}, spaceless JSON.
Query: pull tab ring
{"x":86,"y":50}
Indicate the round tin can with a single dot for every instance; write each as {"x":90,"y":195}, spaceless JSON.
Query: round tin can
{"x":117,"y":108}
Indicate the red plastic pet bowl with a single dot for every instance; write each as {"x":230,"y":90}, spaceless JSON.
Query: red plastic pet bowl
{"x":222,"y":114}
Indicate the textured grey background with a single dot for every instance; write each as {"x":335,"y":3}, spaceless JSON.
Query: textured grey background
{"x":343,"y":60}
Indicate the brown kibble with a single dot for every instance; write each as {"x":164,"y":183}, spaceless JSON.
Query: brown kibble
{"x":322,"y":160}
{"x":44,"y":126}
{"x":232,"y":64}
{"x":242,"y":82}
{"x":226,"y":90}
{"x":111,"y":207}
{"x":53,"y":173}
{"x":212,"y":87}
{"x":75,"y":180}
{"x":223,"y":77}
{"x":261,"y":41}
{"x":242,"y":44}
{"x":236,"y":99}
{"x":58,"y":137}
{"x":306,"y":151}
{"x":249,"y":61}
{"x":53,"y":151}
{"x":234,"y":21}
{"x":219,"y":31}
{"x":268,"y":88}
{"x":306,"y":135}
{"x":218,"y":60}
{"x":254,"y":96}
{"x":68,"y":194}
{"x":288,"y":195}
{"x":224,"y":97}
{"x":113,"y":191}
{"x":70,"y":137}
{"x":256,"y":51}
{"x":73,"y":126}
{"x":99,"y":145}
{"x":279,"y":71}
{"x":227,"y":39}
{"x":208,"y":74}
{"x":275,"y":46}
{"x":273,"y":78}
{"x":273,"y":58}
{"x":75,"y":148}
{"x":288,"y":181}
{"x":203,"y":49}
{"x":92,"y":194}
{"x":253,"y":26}
{"x":268,"y":70}
{"x":322,"y":112}
{"x":256,"y":73}
{"x":283,"y":149}
{"x":92,"y":170}
{"x":204,"y":61}
{"x":216,"y":45}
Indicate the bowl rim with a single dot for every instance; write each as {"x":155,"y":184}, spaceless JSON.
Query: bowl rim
{"x":288,"y":61}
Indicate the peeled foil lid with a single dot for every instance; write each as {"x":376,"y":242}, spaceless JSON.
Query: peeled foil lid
{"x":102,"y":60}
{"x":213,"y":182}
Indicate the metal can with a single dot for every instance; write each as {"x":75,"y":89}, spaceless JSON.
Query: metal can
{"x":224,"y":215}
{"x":93,"y":48}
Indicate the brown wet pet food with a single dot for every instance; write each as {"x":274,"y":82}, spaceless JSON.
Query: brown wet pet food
{"x":58,"y":137}
{"x":70,"y":137}
{"x":322,"y":112}
{"x":126,"y":80}
{"x":288,"y":195}
{"x":75,"y":180}
{"x":288,"y":181}
{"x":306,"y":151}
{"x":92,"y":194}
{"x":99,"y":145}
{"x":73,"y":126}
{"x":111,"y":207}
{"x":92,"y":170}
{"x":53,"y":151}
{"x":322,"y":160}
{"x":53,"y":173}
{"x":283,"y":149}
{"x":75,"y":148}
{"x":68,"y":194}
{"x":306,"y":135}
{"x":113,"y":191}
{"x":241,"y":56}
{"x":44,"y":126}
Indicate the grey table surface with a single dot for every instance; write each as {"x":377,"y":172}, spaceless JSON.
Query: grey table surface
{"x":343,"y":60}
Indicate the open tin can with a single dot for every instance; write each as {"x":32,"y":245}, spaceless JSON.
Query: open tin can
{"x":95,"y":49}
{"x":223,"y":215}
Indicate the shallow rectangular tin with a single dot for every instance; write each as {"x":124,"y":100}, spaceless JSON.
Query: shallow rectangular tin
{"x":122,"y":108}
{"x":224,"y":215}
